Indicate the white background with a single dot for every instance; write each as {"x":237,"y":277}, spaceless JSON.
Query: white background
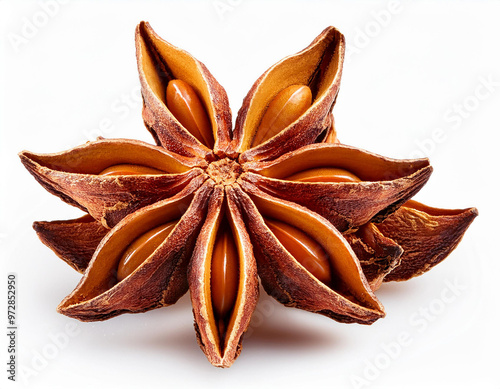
{"x":419,"y":79}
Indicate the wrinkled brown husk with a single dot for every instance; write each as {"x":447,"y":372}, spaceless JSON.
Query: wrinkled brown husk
{"x":427,"y":235}
{"x":320,"y":67}
{"x":159,"y":281}
{"x":158,"y":62}
{"x":74,"y":241}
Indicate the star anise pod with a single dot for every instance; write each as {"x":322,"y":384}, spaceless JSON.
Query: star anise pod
{"x":210,"y":210}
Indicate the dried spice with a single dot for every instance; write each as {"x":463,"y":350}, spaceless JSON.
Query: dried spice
{"x":211,"y":210}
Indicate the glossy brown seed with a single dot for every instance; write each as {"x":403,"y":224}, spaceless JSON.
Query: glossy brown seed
{"x":224,"y":276}
{"x":303,"y":248}
{"x":324,"y":174}
{"x":141,"y":248}
{"x":186,"y":106}
{"x":286,"y":107}
{"x":129,"y":169}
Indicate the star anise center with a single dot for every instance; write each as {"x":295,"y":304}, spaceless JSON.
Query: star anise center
{"x":224,"y":171}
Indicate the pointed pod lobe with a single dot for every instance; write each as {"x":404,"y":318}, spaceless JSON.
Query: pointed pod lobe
{"x":160,"y":62}
{"x":111,"y":178}
{"x":346,"y":185}
{"x":74,"y":241}
{"x":223,"y":280}
{"x":426,"y":234}
{"x":315,"y":72}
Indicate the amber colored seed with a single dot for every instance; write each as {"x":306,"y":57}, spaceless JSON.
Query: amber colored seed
{"x":303,"y":248}
{"x":186,"y":106}
{"x":286,"y":107}
{"x":141,"y":248}
{"x":324,"y":174}
{"x":224,"y":274}
{"x":126,"y":169}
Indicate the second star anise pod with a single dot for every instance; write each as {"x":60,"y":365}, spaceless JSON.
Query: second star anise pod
{"x":212,"y":210}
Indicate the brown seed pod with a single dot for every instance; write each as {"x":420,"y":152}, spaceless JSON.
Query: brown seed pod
{"x":213,"y":211}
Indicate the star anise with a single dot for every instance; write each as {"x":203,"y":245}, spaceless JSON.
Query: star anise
{"x":210,"y":209}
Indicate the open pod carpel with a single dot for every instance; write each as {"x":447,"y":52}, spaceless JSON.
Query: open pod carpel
{"x":159,"y":63}
{"x":160,"y":279}
{"x":316,"y":69}
{"x":223,"y":280}
{"x":83,"y":177}
{"x":368,"y":187}
{"x":345,"y":296}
